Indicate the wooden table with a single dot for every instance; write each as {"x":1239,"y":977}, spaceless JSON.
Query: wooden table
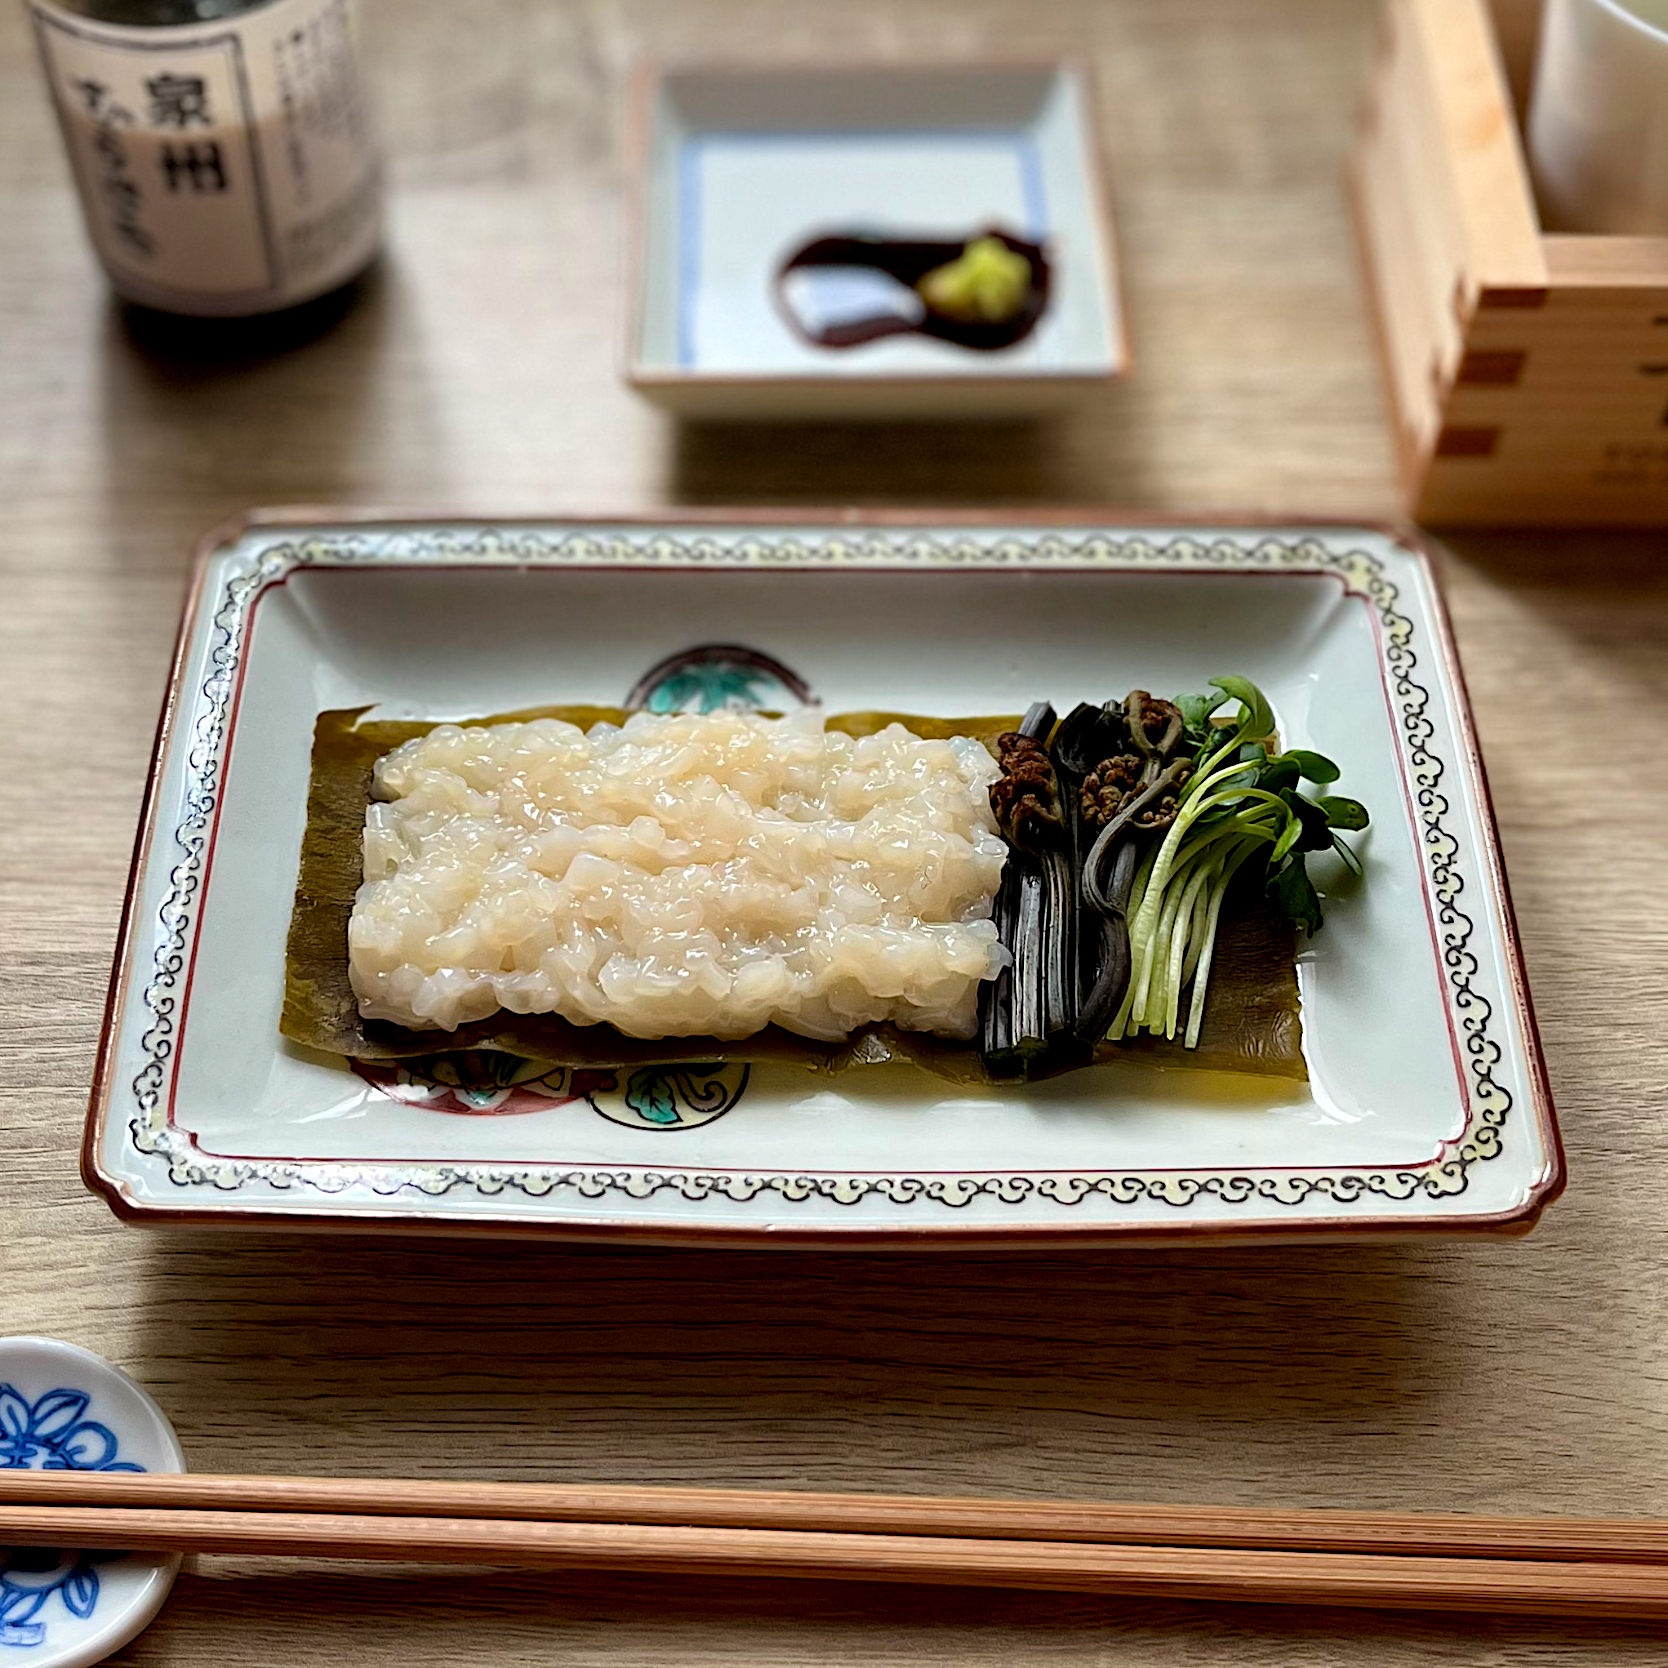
{"x":1518,"y":1377}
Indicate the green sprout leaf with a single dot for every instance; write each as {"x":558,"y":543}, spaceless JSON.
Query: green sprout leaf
{"x":1280,"y":772}
{"x":1317,"y":830}
{"x":1313,"y":767}
{"x":1196,"y":710}
{"x":1344,"y":813}
{"x":1257,"y":721}
{"x":1290,"y":835}
{"x":1293,"y":894}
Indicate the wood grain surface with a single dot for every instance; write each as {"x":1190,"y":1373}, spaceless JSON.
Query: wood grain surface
{"x":481,"y":372}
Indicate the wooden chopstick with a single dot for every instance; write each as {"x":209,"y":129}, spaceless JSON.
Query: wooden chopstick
{"x":1547,"y":1566}
{"x":1235,"y":1575}
{"x":1250,"y":1528}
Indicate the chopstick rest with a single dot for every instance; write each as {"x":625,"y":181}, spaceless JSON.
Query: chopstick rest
{"x":63,"y":1406}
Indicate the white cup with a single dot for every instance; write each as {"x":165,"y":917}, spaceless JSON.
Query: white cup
{"x":1598,"y":117}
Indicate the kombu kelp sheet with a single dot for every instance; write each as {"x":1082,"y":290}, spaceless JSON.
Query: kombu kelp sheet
{"x":1251,"y":1021}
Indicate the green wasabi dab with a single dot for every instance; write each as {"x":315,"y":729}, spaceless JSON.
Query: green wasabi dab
{"x":987,"y":283}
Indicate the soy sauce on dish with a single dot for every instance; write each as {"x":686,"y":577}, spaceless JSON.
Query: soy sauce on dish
{"x":844,"y":289}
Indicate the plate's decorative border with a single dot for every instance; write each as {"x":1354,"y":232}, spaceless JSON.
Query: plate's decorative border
{"x":1489,"y":1103}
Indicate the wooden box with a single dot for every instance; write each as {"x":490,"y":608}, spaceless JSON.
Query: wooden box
{"x":1527,"y":371}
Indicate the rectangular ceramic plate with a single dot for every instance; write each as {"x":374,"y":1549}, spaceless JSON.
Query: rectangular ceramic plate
{"x":738,"y":168}
{"x":1427,"y":1107}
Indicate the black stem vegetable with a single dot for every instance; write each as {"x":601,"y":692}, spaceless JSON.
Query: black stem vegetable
{"x":1035,"y":999}
{"x":1100,"y":1001}
{"x":1145,"y":802}
{"x":1086,"y":736}
{"x":1129,"y":793}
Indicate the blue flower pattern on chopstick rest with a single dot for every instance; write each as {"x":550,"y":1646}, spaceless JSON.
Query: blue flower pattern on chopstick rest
{"x":29,"y":1578}
{"x":50,"y":1434}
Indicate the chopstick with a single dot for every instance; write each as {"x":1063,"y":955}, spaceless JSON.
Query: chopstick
{"x":1573,"y":1567}
{"x":1360,"y":1580}
{"x":1254,"y":1528}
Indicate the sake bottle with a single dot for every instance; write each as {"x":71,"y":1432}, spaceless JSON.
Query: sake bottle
{"x":220,"y":147}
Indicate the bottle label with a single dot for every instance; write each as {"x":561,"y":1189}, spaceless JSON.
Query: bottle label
{"x":224,"y":167}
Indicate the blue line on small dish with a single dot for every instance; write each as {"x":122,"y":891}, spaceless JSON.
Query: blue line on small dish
{"x":855,"y":135}
{"x":690,"y":155}
{"x":689,"y":247}
{"x":50,"y":1434}
{"x":1031,"y":184}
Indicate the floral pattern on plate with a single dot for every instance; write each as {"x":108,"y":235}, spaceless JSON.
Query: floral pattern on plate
{"x":485,"y":1084}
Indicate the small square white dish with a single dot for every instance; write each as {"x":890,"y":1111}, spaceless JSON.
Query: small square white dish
{"x":1426,"y":1109}
{"x":735,"y":168}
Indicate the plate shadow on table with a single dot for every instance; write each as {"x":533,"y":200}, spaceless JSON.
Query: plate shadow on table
{"x":595,"y":1618}
{"x":1088,"y":1374}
